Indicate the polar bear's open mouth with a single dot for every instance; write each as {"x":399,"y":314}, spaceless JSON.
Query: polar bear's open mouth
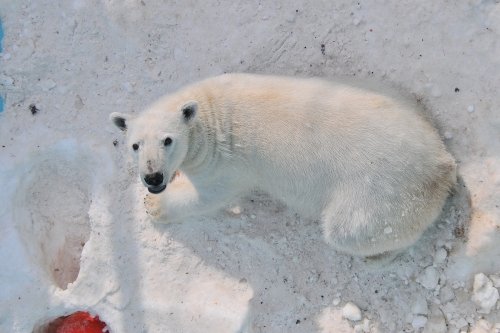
{"x":157,"y":189}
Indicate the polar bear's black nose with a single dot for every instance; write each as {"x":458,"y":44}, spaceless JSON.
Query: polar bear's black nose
{"x":154,"y":179}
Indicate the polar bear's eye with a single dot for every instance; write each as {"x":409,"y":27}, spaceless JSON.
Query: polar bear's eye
{"x":135,"y":146}
{"x":168,"y":141}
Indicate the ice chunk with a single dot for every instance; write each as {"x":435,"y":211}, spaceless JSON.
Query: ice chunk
{"x":418,"y":322}
{"x":430,"y":278}
{"x":351,"y":312}
{"x":484,"y":294}
{"x":440,"y":256}
{"x":419,"y":306}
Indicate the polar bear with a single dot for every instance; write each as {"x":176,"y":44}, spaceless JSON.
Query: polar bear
{"x":366,"y":163}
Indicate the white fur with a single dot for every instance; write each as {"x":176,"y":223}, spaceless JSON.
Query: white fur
{"x":367,"y":164}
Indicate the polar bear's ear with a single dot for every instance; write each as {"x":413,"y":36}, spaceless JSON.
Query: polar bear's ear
{"x":189,"y":111}
{"x":119,"y":119}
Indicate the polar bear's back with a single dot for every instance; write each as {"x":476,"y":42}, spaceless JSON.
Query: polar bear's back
{"x":314,"y":123}
{"x":328,"y":108}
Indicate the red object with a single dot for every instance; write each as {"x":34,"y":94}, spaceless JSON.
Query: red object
{"x":81,"y":322}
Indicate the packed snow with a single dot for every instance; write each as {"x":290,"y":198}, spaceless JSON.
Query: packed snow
{"x":75,"y":235}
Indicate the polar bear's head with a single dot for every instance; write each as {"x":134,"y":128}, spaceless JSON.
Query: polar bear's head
{"x":159,"y":138}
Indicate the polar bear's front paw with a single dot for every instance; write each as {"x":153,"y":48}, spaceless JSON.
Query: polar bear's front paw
{"x":152,"y":204}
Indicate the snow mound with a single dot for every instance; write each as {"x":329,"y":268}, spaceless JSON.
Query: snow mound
{"x":51,"y":209}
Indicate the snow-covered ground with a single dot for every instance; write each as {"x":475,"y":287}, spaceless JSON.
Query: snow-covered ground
{"x":74,"y":232}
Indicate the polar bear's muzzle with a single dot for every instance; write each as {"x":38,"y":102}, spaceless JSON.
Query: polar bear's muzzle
{"x":154,"y":182}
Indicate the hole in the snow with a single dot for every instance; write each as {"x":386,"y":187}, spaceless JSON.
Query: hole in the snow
{"x":78,"y":322}
{"x":51,"y":210}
